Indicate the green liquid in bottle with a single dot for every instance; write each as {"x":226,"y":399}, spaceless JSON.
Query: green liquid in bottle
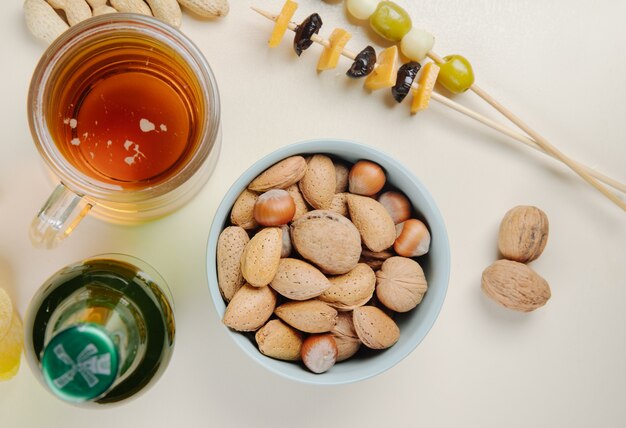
{"x":101,"y":323}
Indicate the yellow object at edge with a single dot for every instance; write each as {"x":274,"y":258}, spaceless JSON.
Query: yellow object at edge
{"x":11,"y":346}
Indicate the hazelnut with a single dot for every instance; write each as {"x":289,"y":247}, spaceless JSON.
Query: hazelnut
{"x":366,"y":178}
{"x":523,"y":234}
{"x":412,"y":238}
{"x":397,"y":205}
{"x":319,"y":352}
{"x":274,"y":208}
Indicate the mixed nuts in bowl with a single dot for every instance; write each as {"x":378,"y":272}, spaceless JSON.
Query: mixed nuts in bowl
{"x":326,"y":252}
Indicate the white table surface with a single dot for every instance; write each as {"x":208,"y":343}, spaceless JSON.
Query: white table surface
{"x":559,"y":65}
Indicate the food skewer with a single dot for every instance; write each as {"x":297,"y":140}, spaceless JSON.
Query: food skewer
{"x":587,"y":173}
{"x":393,"y":23}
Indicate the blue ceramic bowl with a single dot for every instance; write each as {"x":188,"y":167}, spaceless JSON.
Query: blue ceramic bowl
{"x":414,"y":325}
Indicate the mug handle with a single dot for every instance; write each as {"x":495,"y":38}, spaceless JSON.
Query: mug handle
{"x":58,"y":217}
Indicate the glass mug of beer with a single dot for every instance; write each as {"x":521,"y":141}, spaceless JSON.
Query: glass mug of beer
{"x":125,"y":112}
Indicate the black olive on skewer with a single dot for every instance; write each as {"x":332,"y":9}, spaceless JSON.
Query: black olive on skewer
{"x":406,"y":75}
{"x":304,"y":31}
{"x":363,"y":64}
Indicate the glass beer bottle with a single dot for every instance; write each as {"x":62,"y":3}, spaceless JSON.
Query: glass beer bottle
{"x":101,"y":330}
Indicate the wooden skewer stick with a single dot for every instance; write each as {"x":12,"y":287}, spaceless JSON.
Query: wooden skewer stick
{"x":521,"y":138}
{"x":586,"y":171}
{"x":545,"y":145}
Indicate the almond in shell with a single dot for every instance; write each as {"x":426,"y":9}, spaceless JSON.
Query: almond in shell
{"x":260,"y":257}
{"x":375,"y":328}
{"x":373,"y":222}
{"x":319,"y":182}
{"x":286,"y":246}
{"x":281,"y":175}
{"x":340,"y":204}
{"x":400,"y":284}
{"x":278,"y":340}
{"x":375,"y":259}
{"x":230,"y":246}
{"x":348,"y":342}
{"x":301,"y":206}
{"x":352,"y":289}
{"x":328,"y":240}
{"x":342,"y":172}
{"x":242,"y":213}
{"x":298,"y":280}
{"x":310,"y":316}
{"x":250,"y":308}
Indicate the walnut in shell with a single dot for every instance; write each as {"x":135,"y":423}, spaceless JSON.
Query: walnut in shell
{"x":515,"y":285}
{"x":523,"y":233}
{"x":400,"y":284}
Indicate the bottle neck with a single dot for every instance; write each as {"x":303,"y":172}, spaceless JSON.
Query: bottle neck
{"x":103,"y":329}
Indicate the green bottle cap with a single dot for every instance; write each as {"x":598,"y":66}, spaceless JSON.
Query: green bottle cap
{"x":80,"y":363}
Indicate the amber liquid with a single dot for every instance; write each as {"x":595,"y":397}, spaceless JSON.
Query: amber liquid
{"x":126,"y":111}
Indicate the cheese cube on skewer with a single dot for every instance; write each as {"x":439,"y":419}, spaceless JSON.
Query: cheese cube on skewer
{"x":330,"y":56}
{"x":282,"y":23}
{"x":385,"y":73}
